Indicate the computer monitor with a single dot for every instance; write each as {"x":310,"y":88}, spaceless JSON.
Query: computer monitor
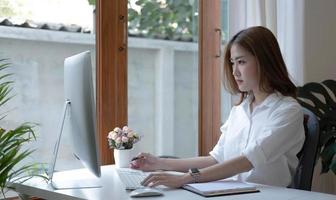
{"x":79,"y":113}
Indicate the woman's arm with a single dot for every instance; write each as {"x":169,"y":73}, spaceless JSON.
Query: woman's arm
{"x":215,"y":172}
{"x":226,"y":169}
{"x":148,"y":162}
{"x":183,"y":165}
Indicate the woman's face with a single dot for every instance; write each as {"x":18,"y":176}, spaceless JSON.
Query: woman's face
{"x":244,"y":69}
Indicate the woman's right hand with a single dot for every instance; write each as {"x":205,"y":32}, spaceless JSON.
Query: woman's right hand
{"x":145,"y":162}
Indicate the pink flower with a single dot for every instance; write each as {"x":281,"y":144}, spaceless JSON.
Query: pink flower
{"x":130,"y":134}
{"x":118,"y":140}
{"x":117,"y":129}
{"x":125,"y":129}
{"x":112,"y":135}
{"x":124,"y":139}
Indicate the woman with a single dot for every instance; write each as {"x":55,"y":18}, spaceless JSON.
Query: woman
{"x":264,"y":131}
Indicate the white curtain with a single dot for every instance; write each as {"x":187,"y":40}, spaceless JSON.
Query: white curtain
{"x":284,"y":18}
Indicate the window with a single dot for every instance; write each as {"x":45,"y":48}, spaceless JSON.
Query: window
{"x":191,"y":91}
{"x":112,"y":73}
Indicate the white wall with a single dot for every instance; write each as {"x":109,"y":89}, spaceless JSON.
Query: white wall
{"x":319,"y":62}
{"x":320,"y":40}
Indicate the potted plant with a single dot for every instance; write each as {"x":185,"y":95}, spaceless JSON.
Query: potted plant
{"x":122,"y":141}
{"x":315,"y":97}
{"x":12,"y":141}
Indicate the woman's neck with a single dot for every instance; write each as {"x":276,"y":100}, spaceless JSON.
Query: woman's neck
{"x":258,"y":98}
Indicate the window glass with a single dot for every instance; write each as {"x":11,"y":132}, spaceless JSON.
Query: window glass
{"x":163,"y":76}
{"x":75,"y":12}
{"x":36,"y":58}
{"x":225,"y":96}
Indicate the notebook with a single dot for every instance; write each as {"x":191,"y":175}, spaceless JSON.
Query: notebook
{"x":221,"y":187}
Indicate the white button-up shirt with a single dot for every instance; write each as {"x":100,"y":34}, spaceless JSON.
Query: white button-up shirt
{"x":269,"y":137}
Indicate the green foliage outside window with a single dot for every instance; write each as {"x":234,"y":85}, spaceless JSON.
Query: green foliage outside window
{"x":162,"y":19}
{"x":170,"y":19}
{"x":10,"y":8}
{"x":92,"y":2}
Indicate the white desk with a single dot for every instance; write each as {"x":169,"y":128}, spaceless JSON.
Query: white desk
{"x":113,"y":189}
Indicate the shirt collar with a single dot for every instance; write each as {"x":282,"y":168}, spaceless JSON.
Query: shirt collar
{"x":271,"y":99}
{"x":268,"y":102}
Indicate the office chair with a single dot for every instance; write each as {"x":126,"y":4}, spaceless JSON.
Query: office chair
{"x":319,"y":105}
{"x":307,"y":156}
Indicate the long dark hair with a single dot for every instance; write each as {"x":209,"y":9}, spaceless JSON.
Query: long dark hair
{"x":272,"y":71}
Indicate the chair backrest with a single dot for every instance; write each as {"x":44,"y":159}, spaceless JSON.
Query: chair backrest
{"x":307,"y":156}
{"x":319,"y":98}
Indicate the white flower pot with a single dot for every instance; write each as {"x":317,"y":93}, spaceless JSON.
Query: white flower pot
{"x":123,"y":157}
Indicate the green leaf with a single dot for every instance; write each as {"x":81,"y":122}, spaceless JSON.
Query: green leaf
{"x":141,"y":2}
{"x":132,"y":14}
{"x":4,"y":65}
{"x":92,"y":2}
{"x":5,"y":76}
{"x":325,"y":138}
{"x":327,"y":155}
{"x":328,"y":152}
{"x":5,"y":88}
{"x":156,"y":18}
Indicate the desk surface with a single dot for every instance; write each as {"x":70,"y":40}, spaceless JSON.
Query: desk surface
{"x":112,"y":188}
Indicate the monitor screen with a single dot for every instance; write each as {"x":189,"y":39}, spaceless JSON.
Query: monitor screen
{"x":80,"y":116}
{"x":78,"y":90}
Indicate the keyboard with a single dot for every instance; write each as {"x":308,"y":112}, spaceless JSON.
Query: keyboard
{"x":131,"y":178}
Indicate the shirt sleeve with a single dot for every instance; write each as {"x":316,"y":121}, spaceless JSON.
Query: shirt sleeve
{"x":218,"y":151}
{"x":282,"y":132}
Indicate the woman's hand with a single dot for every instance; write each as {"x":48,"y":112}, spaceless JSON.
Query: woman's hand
{"x":167,"y":179}
{"x":145,"y":162}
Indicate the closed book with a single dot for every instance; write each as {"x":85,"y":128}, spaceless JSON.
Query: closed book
{"x":221,"y":187}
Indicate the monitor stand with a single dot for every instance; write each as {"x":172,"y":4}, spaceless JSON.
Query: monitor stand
{"x":72,"y":181}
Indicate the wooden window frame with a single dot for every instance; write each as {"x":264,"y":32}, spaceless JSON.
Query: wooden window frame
{"x":209,"y":76}
{"x":111,"y":73}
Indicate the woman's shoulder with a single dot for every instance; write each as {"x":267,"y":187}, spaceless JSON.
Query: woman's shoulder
{"x":276,"y":102}
{"x":289,"y":102}
{"x":288,"y":106}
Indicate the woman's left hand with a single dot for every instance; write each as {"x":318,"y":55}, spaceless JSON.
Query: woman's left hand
{"x":167,"y":179}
